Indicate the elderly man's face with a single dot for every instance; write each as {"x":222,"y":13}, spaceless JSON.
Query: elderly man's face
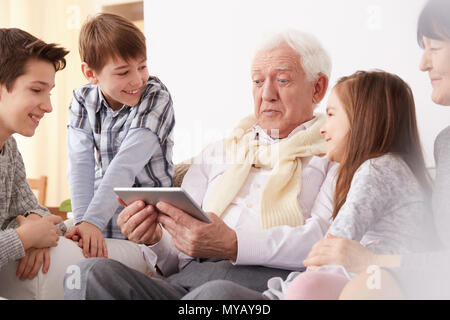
{"x":283,"y":97}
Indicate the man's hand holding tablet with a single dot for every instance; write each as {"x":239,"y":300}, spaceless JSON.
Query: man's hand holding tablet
{"x":174,"y":196}
{"x":138,"y":222}
{"x":213,"y":239}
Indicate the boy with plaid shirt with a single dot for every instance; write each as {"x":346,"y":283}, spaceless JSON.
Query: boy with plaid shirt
{"x":119,"y":132}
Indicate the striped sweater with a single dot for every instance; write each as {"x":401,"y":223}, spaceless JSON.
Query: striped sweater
{"x":16,"y":198}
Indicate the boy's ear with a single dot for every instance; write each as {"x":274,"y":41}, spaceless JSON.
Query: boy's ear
{"x":2,"y":88}
{"x":88,"y":73}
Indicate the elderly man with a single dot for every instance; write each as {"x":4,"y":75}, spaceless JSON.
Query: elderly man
{"x":266,"y":189}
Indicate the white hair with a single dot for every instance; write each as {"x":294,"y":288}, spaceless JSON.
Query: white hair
{"x":314,"y":59}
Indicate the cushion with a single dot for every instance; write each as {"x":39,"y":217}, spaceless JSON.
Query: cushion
{"x":180,"y":170}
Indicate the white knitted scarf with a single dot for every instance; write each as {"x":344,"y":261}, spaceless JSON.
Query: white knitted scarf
{"x":279,"y":204}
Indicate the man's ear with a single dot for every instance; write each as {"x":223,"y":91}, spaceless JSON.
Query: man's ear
{"x":89,"y":73}
{"x":320,"y":88}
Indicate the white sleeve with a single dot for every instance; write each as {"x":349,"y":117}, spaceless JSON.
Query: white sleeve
{"x":286,"y":247}
{"x":165,"y":255}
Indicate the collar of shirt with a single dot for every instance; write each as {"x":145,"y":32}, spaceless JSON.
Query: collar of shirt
{"x":105,"y":103}
{"x":261,"y":134}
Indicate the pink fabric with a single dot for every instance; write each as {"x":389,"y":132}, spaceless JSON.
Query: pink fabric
{"x":316,"y":285}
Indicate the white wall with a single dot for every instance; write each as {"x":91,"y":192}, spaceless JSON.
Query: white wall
{"x":202,"y":51}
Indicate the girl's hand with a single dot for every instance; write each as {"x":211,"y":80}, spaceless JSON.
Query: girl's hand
{"x":334,"y":250}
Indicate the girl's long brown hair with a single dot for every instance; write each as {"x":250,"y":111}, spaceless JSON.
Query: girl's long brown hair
{"x":381,"y":112}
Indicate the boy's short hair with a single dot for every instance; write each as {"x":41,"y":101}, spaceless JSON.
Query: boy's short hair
{"x":17,"y":47}
{"x":108,"y":36}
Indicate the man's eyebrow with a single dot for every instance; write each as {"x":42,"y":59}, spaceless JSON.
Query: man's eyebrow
{"x":280,"y":68}
{"x":284,"y":68}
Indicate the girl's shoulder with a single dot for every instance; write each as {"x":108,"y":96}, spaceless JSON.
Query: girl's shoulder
{"x":384,"y":162}
{"x":386,"y":168}
{"x":387,"y":178}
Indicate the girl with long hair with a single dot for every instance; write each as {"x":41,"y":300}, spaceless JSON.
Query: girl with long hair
{"x":382,"y":188}
{"x":413,"y":275}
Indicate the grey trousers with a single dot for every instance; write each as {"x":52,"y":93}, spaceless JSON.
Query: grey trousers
{"x":223,"y":290}
{"x":109,"y":279}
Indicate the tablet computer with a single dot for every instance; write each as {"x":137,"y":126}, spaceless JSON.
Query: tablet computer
{"x":177,"y":197}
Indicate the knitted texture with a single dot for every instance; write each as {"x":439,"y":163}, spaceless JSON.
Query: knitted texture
{"x":279,"y":204}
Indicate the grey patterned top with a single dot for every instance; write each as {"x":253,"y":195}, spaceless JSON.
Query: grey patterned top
{"x":425,"y":275}
{"x":16,"y":198}
{"x":441,"y":192}
{"x":385,"y":209}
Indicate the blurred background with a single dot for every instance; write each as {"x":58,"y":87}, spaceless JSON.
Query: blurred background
{"x":202,"y":50}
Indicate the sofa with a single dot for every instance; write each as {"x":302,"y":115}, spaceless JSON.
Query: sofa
{"x":63,"y":257}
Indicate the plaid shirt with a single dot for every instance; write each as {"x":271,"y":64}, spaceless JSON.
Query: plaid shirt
{"x":104,"y":131}
{"x":16,"y":198}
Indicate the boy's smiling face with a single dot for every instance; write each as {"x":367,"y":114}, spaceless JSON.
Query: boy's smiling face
{"x":120,"y":81}
{"x":23,"y":107}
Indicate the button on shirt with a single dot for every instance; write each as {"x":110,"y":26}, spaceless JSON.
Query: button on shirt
{"x":283,"y":247}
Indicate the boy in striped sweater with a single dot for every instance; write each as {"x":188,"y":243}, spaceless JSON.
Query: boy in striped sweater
{"x":28,"y":229}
